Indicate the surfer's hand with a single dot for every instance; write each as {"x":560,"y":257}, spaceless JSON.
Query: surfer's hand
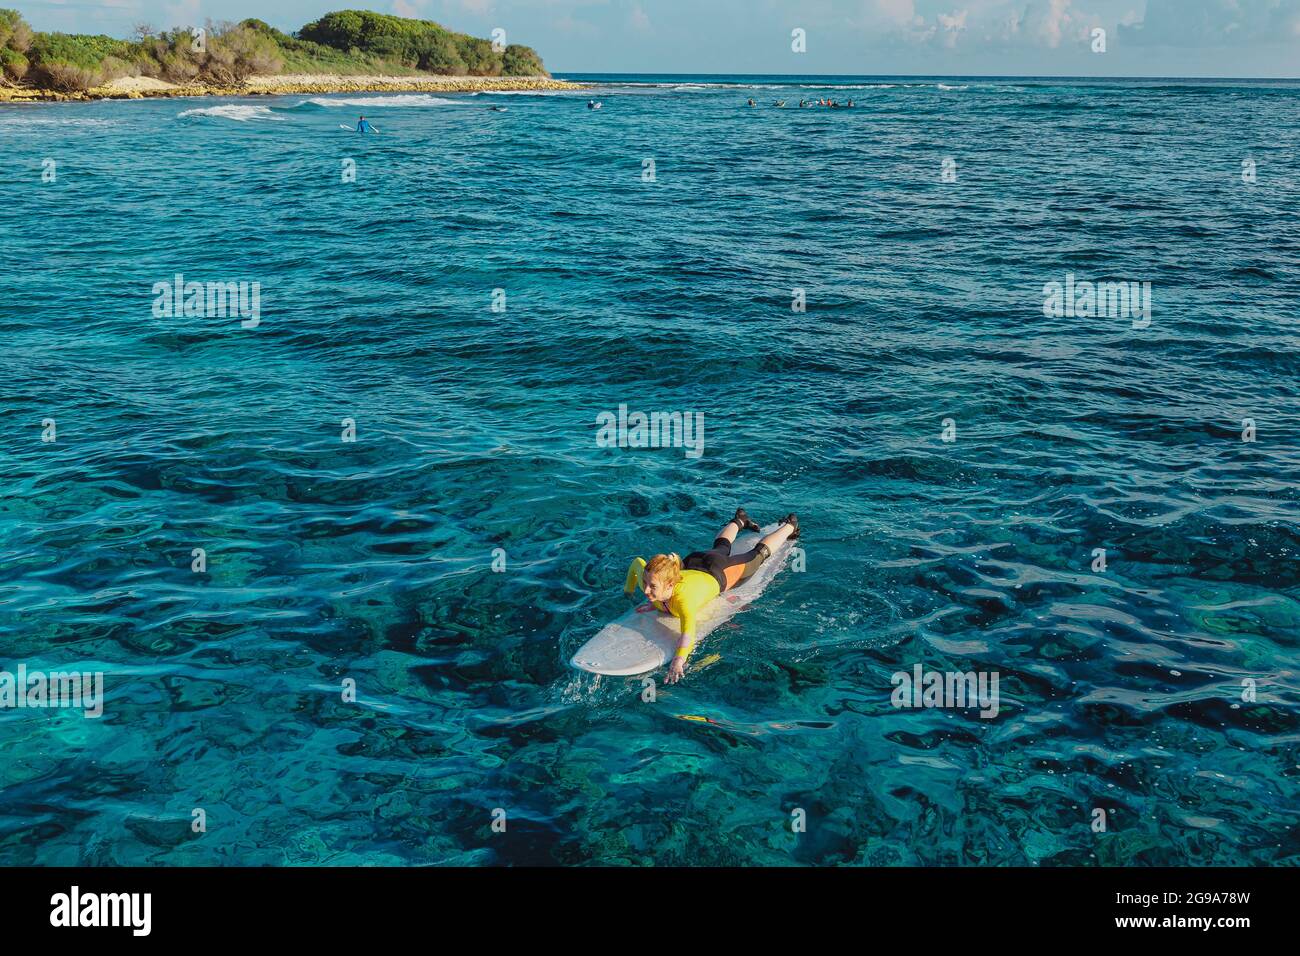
{"x":676,"y":670}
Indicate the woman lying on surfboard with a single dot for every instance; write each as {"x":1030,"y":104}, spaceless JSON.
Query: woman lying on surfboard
{"x":682,"y":587}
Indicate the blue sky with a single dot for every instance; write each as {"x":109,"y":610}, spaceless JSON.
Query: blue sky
{"x":1024,"y":37}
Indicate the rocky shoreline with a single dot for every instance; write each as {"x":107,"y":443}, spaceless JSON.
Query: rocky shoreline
{"x":134,"y":88}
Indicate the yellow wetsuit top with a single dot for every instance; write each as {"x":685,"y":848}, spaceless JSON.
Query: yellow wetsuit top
{"x":696,"y":589}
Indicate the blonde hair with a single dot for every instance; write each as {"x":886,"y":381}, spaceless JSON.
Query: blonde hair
{"x":665,"y":569}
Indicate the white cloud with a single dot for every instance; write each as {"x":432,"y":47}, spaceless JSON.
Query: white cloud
{"x":951,"y":26}
{"x":902,"y":12}
{"x":1048,"y":24}
{"x":1193,"y":23}
{"x":1051,"y":23}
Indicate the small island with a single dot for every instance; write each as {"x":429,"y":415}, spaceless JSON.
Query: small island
{"x":343,"y":52}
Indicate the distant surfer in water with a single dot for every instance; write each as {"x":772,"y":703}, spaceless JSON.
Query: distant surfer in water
{"x":683,"y":587}
{"x":363,"y":126}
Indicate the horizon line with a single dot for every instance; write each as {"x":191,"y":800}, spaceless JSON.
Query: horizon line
{"x":940,"y":76}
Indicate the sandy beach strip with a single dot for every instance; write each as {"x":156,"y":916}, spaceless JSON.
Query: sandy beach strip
{"x":139,"y":87}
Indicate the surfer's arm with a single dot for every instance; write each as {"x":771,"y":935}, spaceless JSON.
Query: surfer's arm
{"x":635,"y":574}
{"x":677,"y":666}
{"x":686,"y":644}
{"x":687,"y":641}
{"x":686,"y":614}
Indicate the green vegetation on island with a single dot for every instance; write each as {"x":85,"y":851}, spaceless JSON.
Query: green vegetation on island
{"x":349,"y":42}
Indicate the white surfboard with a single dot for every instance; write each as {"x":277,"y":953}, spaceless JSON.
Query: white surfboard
{"x":637,"y":643}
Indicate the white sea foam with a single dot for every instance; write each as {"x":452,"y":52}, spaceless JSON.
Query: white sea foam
{"x":373,"y":102}
{"x":235,"y":111}
{"x":65,"y":122}
{"x":854,"y":86}
{"x":528,"y":93}
{"x":700,"y":87}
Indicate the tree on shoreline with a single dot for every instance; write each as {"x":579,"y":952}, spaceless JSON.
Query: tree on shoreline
{"x":15,"y":41}
{"x":350,"y":41}
{"x":422,"y":44}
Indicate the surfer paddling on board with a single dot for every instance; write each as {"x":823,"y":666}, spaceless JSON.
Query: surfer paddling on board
{"x":682,"y":587}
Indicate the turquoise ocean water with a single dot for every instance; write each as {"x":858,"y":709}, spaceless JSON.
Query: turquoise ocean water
{"x":476,"y":430}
